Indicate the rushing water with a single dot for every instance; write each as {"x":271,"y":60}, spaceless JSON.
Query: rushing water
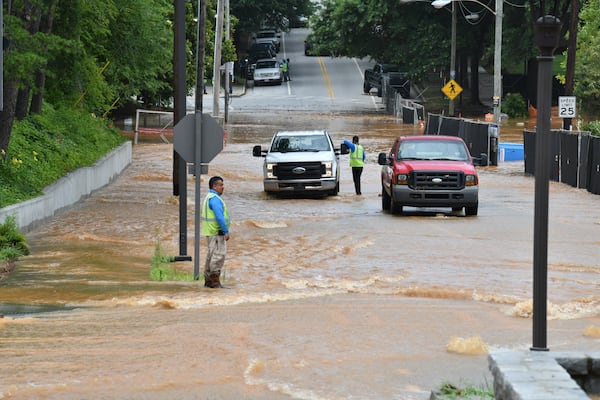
{"x":328,"y":298}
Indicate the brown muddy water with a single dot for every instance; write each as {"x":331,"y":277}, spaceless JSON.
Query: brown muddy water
{"x":327,"y":298}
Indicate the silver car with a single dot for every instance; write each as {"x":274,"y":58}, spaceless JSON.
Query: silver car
{"x":267,"y":71}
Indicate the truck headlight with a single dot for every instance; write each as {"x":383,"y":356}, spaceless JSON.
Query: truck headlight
{"x":328,"y":169}
{"x":270,"y":174}
{"x":471,"y":180}
{"x":402,"y":179}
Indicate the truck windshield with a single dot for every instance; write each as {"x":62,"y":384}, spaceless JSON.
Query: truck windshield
{"x":284,"y":144}
{"x":432,"y":150}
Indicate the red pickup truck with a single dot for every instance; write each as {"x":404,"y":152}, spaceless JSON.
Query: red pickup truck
{"x":429,"y":171}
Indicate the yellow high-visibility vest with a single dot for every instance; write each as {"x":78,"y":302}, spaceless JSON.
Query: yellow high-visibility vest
{"x":210,"y":226}
{"x":356,"y":157}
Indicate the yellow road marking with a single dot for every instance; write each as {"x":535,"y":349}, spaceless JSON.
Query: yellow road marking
{"x":328,"y":85}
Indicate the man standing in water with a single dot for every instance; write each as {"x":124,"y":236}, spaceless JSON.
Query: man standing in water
{"x":357,"y":161}
{"x":215,"y":226}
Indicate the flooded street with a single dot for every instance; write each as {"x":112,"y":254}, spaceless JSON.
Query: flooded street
{"x":327,"y":298}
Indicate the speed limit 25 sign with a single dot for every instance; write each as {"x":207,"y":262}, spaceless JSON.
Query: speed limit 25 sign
{"x":566,"y":107}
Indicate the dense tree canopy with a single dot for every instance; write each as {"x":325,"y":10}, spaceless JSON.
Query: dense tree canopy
{"x":99,"y":55}
{"x":417,"y":36}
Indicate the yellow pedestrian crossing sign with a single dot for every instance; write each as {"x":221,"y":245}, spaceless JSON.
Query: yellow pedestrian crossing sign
{"x":452,"y":89}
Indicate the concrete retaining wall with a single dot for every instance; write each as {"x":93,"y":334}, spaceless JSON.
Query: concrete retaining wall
{"x":69,"y":189}
{"x":537,"y":375}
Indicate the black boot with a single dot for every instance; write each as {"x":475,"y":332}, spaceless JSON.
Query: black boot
{"x":213,"y":280}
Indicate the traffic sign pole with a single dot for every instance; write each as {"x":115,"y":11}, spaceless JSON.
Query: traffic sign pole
{"x":567,"y":110}
{"x":198,"y":198}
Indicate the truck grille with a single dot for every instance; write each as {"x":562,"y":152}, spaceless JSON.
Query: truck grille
{"x":302,"y":170}
{"x":436,"y":180}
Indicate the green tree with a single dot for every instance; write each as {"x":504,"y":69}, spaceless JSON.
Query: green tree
{"x":587,"y":73}
{"x":254,"y":14}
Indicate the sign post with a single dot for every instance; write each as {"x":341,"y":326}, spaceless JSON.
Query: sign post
{"x":198,"y":141}
{"x":567,"y":109}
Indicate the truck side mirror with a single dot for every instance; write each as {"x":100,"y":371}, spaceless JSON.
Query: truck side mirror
{"x":382,"y":159}
{"x":257,"y":151}
{"x":344,"y":149}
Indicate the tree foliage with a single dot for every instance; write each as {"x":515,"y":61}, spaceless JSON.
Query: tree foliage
{"x":94,"y":55}
{"x":417,"y":36}
{"x":255,"y":14}
{"x":587,"y":72}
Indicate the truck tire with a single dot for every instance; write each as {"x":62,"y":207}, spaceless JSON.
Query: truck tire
{"x":335,"y":191}
{"x":386,"y":201}
{"x":471,"y":210}
{"x":395,"y":208}
{"x":366,"y":87}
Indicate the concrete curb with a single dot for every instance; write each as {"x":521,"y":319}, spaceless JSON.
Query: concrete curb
{"x":69,"y":189}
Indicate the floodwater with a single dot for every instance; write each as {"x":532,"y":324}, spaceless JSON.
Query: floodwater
{"x":327,"y":299}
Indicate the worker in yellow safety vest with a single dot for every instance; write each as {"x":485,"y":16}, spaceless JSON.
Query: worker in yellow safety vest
{"x":215,"y":226}
{"x":357,"y":161}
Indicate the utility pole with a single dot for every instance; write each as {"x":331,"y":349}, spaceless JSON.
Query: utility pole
{"x":227,"y":65}
{"x":200,"y":54}
{"x":217,"y":58}
{"x":179,"y":164}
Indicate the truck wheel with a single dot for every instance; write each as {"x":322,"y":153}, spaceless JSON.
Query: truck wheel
{"x":471,"y":210}
{"x":366,"y":87}
{"x":335,"y":191}
{"x":395,"y":208}
{"x":385,"y":199}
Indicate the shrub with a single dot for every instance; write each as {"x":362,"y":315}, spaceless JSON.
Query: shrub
{"x":593,"y":127}
{"x":514,"y":106}
{"x":12,"y":241}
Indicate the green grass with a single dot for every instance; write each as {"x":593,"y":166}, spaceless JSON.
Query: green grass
{"x":45,"y":147}
{"x":448,"y":391}
{"x":162,"y":267}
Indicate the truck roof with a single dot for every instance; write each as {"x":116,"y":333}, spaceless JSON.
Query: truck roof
{"x":301,"y":133}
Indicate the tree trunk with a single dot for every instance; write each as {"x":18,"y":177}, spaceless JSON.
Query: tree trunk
{"x":475,"y":79}
{"x":22,"y":102}
{"x":40,"y":78}
{"x":7,"y":115}
{"x":572,"y":49}
{"x":31,"y":17}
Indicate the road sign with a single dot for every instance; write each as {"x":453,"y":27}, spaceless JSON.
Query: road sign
{"x":566,"y":107}
{"x":452,"y":89}
{"x":211,"y":138}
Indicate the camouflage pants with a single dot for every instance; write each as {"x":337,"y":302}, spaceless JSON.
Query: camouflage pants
{"x":215,"y":257}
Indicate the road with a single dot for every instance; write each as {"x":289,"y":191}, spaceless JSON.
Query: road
{"x":328,"y":298}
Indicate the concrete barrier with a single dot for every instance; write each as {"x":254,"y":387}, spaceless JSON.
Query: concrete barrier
{"x":69,"y":189}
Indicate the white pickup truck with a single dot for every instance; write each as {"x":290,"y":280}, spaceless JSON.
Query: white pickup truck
{"x":301,"y":162}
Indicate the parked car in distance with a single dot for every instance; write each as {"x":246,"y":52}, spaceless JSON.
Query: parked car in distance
{"x":429,"y":171}
{"x":301,"y":162}
{"x":263,"y":47}
{"x":271,"y":35}
{"x":267,"y":71}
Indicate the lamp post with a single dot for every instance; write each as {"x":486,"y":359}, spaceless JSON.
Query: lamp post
{"x":497,"y":97}
{"x":547,"y":34}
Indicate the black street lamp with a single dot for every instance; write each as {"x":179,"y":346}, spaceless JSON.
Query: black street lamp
{"x":547,"y":33}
